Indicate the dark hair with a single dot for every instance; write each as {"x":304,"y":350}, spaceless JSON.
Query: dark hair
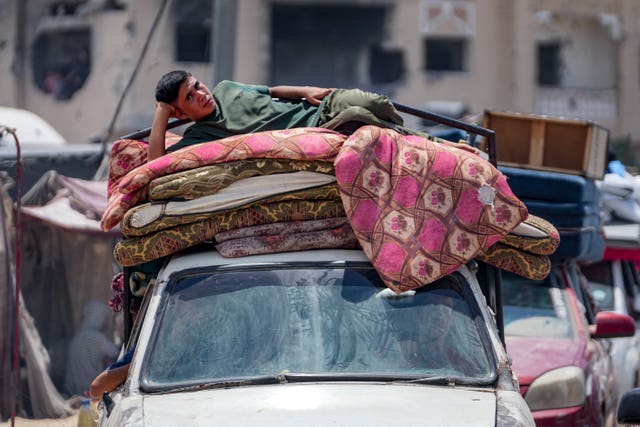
{"x":169,"y":85}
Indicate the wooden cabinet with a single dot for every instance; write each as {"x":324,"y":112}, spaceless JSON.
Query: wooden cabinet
{"x":549,"y":143}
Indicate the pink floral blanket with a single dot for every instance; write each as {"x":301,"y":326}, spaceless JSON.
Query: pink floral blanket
{"x":421,"y":209}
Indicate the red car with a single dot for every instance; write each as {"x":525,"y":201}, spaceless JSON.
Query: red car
{"x":564,"y":370}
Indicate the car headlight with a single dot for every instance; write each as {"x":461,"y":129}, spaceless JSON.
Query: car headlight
{"x":560,"y":388}
{"x":512,"y":411}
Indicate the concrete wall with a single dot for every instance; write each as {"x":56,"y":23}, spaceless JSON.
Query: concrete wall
{"x":501,"y":70}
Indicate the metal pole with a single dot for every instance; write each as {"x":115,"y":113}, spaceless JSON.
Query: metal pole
{"x":223,"y":33}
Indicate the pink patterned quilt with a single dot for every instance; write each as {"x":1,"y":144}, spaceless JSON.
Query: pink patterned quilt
{"x":421,"y":209}
{"x":300,"y":143}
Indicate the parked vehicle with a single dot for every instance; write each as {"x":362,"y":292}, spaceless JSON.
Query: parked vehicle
{"x":564,"y":371}
{"x":614,"y":284}
{"x":313,"y":337}
{"x":31,"y":129}
{"x":42,"y":149}
{"x":629,"y":408}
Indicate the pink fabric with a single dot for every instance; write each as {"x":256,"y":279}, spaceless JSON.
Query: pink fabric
{"x":300,"y":143}
{"x":128,"y":154}
{"x":414,"y":204}
{"x":281,"y":228}
{"x":334,"y":238}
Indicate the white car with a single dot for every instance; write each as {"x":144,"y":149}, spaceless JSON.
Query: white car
{"x":31,"y":129}
{"x":313,"y":338}
{"x":614,"y":283}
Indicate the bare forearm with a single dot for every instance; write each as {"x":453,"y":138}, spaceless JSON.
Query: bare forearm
{"x":287,"y":92}
{"x":108,"y":381}
{"x":157,"y":135}
{"x":312,"y":94}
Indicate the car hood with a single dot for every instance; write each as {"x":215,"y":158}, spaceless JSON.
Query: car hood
{"x":321,"y":404}
{"x":535,"y":356}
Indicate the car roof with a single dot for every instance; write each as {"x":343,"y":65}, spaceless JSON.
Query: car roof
{"x":30,"y":128}
{"x":210,"y":257}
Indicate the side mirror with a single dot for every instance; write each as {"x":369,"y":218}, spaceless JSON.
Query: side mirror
{"x":613,"y":325}
{"x":629,"y":407}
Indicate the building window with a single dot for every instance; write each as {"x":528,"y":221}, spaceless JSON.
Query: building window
{"x":446,"y":54}
{"x":61,"y":61}
{"x":549,"y":63}
{"x":193,"y":30}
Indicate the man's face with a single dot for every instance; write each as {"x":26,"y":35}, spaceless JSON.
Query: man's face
{"x":194,"y":100}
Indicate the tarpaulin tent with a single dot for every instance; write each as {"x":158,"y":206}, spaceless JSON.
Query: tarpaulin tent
{"x":66,"y":261}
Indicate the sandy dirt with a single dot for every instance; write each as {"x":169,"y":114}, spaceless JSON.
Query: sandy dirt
{"x":71,"y":421}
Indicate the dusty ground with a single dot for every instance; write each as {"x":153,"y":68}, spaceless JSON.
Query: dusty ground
{"x":71,"y":421}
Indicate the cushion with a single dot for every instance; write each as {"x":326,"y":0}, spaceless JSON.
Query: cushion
{"x":550,"y":186}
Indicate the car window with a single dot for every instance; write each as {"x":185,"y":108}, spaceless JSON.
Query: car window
{"x":325,"y":321}
{"x":535,"y":308}
{"x":600,"y":280}
{"x":630,"y":273}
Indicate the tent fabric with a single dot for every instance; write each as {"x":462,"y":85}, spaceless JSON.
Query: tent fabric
{"x":45,"y":400}
{"x":7,"y":279}
{"x":66,"y":261}
{"x":84,"y":200}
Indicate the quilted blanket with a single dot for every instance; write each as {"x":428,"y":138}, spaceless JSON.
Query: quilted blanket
{"x":421,"y":209}
{"x":300,"y":143}
{"x":129,"y":227}
{"x":237,"y":194}
{"x":334,"y":238}
{"x":138,"y":250}
{"x":207,"y":180}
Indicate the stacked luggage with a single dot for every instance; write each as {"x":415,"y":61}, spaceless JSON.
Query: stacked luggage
{"x":570,"y":202}
{"x":553,"y":165}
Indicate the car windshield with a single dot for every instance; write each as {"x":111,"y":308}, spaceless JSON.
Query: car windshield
{"x":600,"y":282}
{"x":535,"y":308}
{"x":325,"y":323}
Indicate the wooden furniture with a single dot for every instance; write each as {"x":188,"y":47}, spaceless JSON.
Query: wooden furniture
{"x":549,"y":143}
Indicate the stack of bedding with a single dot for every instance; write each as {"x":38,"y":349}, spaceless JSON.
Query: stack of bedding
{"x":419,"y":209}
{"x":187,"y":197}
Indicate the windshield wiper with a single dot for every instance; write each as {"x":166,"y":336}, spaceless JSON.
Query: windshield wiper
{"x":222,"y":383}
{"x":261,"y":380}
{"x":451,"y":381}
{"x":436,"y":380}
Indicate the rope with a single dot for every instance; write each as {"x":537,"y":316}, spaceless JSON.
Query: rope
{"x":134,"y":73}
